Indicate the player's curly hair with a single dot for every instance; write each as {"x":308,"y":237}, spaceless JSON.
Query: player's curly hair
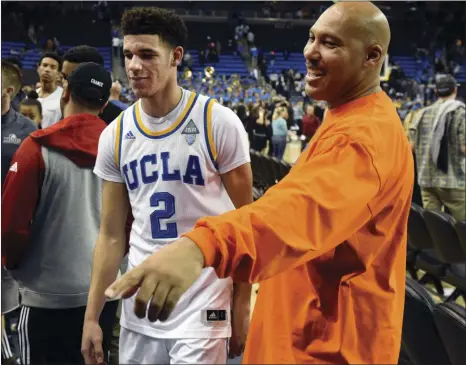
{"x":155,"y":21}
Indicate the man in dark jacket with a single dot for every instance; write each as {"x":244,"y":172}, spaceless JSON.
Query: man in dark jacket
{"x":51,"y":206}
{"x":15,"y":128}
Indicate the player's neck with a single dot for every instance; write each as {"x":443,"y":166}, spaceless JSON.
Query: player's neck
{"x":47,"y":88}
{"x":163,"y":102}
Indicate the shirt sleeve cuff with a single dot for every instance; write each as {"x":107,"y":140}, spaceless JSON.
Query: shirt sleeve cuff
{"x":207,"y":243}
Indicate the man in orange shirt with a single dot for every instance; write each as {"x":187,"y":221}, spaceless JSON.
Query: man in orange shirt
{"x":328,"y":243}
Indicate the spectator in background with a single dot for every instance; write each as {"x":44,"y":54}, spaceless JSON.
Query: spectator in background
{"x":310,"y":125}
{"x":31,"y":108}
{"x":15,"y":128}
{"x":55,"y":183}
{"x":115,"y":95}
{"x":438,"y":137}
{"x":280,"y":131}
{"x":298,"y":113}
{"x":49,"y":92}
{"x":81,"y":54}
{"x":21,"y":95}
{"x":242,"y":114}
{"x":258,"y":125}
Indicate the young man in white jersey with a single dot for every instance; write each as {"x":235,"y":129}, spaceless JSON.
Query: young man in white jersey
{"x":49,"y":92}
{"x":173,"y":157}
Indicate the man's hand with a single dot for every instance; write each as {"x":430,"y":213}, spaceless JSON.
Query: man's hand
{"x":164,"y":276}
{"x":240,"y":325}
{"x":91,"y":345}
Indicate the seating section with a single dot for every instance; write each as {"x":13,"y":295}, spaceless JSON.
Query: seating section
{"x":432,"y":333}
{"x":413,"y":68}
{"x":421,"y":339}
{"x":450,"y":319}
{"x":228,"y":64}
{"x":30,"y":59}
{"x":267,"y":171}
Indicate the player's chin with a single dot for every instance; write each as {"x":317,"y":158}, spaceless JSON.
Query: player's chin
{"x":141,"y":93}
{"x":317,"y":93}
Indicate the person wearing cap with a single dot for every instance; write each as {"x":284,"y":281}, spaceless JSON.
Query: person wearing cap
{"x":438,"y":139}
{"x":51,"y":204}
{"x":81,"y":54}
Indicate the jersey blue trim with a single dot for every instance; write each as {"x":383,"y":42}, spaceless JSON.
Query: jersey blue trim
{"x":171,"y":132}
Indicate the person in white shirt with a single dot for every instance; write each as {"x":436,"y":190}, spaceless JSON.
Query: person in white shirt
{"x":49,"y":92}
{"x":173,"y":157}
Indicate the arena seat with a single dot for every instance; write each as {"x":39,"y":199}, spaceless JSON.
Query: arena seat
{"x":460,"y":228}
{"x":256,"y":193}
{"x":277,"y":172}
{"x":421,"y":339}
{"x":425,"y":256}
{"x":445,"y":239}
{"x":450,"y":319}
{"x":285,"y":168}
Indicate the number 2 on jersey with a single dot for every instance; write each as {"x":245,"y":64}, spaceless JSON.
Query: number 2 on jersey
{"x":169,"y":200}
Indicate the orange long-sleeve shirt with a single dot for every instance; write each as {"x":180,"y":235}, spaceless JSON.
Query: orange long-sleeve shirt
{"x":328,"y":244}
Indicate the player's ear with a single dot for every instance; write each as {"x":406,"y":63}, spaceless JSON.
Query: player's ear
{"x":102,"y":109}
{"x":66,"y":92}
{"x":178,"y":53}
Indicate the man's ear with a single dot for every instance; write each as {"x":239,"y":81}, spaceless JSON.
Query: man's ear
{"x":10,"y":90}
{"x":178,"y":54}
{"x":102,"y":109}
{"x":66,"y":92}
{"x":374,"y":54}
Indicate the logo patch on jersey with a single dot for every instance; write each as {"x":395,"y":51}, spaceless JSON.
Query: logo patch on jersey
{"x":190,"y":132}
{"x":14,"y":167}
{"x":215,"y":315}
{"x":129,"y":135}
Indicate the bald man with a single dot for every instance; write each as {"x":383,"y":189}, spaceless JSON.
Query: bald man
{"x":327,"y":243}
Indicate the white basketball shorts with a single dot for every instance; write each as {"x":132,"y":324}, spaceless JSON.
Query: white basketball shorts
{"x":136,"y":348}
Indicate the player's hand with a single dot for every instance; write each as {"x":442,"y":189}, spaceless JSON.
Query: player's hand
{"x":91,"y":345}
{"x":164,"y":276}
{"x":239,"y":326}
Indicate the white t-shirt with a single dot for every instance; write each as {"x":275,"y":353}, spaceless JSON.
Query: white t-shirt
{"x":51,"y":112}
{"x":172,"y":169}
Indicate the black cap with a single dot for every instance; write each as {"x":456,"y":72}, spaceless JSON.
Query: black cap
{"x":91,"y":82}
{"x":445,"y":85}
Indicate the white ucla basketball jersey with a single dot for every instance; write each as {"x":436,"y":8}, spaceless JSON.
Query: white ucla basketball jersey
{"x":172,"y":181}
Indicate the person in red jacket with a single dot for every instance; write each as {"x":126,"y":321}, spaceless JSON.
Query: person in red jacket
{"x":310,"y":124}
{"x":328,"y":242}
{"x":50,"y":219}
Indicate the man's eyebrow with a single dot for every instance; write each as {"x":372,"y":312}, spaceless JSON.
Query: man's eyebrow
{"x":142,"y":50}
{"x":327,"y":35}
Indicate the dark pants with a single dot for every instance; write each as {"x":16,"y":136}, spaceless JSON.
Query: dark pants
{"x":10,"y":347}
{"x":278,"y":146}
{"x":53,"y":336}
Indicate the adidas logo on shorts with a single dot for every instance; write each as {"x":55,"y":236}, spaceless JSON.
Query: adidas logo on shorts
{"x":129,"y":135}
{"x":212,"y":316}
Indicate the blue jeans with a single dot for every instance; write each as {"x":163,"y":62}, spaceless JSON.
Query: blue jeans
{"x":278,"y":146}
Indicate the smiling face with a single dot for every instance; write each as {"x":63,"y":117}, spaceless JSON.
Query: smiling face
{"x":150,"y":63}
{"x":342,"y":54}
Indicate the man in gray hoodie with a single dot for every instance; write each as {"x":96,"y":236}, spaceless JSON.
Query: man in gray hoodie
{"x":51,"y":205}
